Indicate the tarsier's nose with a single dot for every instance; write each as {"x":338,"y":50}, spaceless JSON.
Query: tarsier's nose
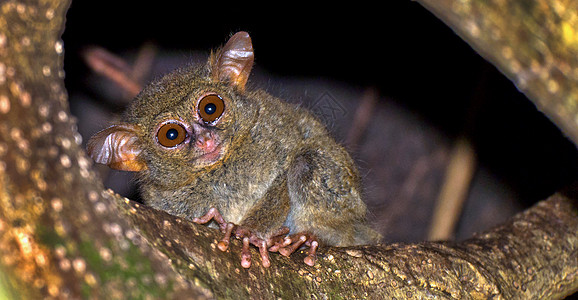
{"x":205,"y":141}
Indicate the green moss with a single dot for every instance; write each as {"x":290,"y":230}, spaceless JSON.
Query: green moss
{"x":7,"y":288}
{"x":127,"y":271}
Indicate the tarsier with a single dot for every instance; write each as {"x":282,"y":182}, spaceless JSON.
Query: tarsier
{"x":262,"y":170}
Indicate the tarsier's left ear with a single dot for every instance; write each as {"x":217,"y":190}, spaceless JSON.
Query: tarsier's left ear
{"x":234,"y":61}
{"x":117,"y":147}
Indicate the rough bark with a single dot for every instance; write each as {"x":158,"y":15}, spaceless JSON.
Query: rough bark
{"x":62,"y":235}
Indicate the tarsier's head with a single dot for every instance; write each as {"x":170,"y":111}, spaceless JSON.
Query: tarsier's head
{"x":184,"y":122}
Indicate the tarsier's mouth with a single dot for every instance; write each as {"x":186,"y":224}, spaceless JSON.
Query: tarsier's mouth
{"x":211,"y":154}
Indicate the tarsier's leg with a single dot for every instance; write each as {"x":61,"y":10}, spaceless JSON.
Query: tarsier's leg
{"x":325,"y":203}
{"x":262,"y":226}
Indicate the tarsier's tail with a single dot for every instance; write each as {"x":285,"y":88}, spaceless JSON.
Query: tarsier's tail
{"x":366,"y":235}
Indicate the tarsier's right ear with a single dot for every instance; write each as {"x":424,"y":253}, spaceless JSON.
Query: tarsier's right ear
{"x":117,"y":147}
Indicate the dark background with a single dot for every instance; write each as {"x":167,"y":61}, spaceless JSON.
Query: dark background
{"x":398,"y":47}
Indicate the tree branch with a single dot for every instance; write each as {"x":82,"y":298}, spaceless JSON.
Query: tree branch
{"x":533,"y":43}
{"x":533,"y":256}
{"x":62,"y":235}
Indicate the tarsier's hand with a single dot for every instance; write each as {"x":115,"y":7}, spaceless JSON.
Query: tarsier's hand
{"x":291,"y":243}
{"x":277,"y":242}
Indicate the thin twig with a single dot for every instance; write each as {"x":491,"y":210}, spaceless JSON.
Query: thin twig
{"x":456,"y":186}
{"x":113,"y":68}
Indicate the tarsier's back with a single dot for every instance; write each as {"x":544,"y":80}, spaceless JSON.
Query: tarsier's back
{"x":263,"y":170}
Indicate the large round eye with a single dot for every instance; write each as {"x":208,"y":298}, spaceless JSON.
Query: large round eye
{"x":171,"y":134}
{"x":211,"y":107}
